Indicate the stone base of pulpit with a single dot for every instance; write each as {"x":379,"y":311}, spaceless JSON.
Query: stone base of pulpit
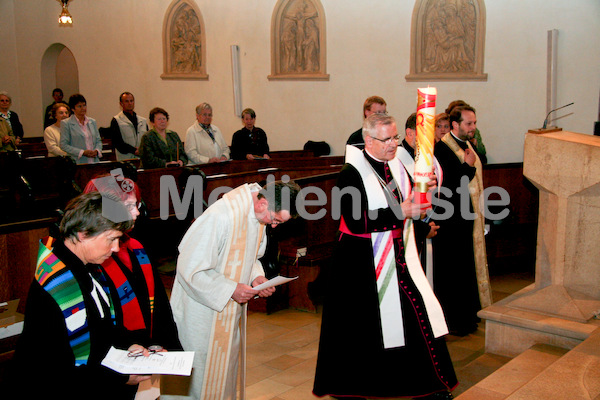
{"x":559,"y":308}
{"x":512,"y":327}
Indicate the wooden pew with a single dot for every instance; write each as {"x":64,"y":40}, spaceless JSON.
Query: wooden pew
{"x":33,"y":149}
{"x":291,"y":153}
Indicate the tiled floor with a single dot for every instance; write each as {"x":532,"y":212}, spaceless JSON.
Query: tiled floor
{"x":282,"y":350}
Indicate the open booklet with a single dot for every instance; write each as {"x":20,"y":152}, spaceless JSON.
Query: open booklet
{"x":166,"y":363}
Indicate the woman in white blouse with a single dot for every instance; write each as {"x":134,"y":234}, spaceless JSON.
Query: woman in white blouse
{"x":60,"y":111}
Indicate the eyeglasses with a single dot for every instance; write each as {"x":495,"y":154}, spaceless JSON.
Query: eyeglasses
{"x":133,"y":206}
{"x":275,"y":221}
{"x":387,"y":140}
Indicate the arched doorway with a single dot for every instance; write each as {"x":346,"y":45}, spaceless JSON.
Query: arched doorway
{"x":58,"y":69}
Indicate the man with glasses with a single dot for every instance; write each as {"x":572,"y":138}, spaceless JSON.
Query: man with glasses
{"x":372,"y":105}
{"x":382,"y":328}
{"x":217,"y":269}
{"x":204,"y":142}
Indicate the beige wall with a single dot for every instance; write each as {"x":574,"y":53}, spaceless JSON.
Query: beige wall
{"x":117,"y":46}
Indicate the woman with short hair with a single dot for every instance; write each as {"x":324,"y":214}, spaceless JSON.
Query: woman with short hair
{"x":79,"y":135}
{"x":59,"y":112}
{"x":73,"y":316}
{"x":161,"y":147}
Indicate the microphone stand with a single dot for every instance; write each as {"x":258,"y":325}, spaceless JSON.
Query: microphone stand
{"x":544,"y":129}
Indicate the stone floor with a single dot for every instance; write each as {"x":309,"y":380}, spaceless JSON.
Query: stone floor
{"x":282,"y":350}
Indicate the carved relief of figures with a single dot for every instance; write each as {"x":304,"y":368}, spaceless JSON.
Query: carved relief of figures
{"x":300,"y":39}
{"x":183,"y":42}
{"x":298,"y":29}
{"x":450,"y":36}
{"x":448,"y":40}
{"x":186,"y":45}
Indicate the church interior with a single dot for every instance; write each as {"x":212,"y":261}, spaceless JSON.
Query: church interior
{"x":538,"y":340}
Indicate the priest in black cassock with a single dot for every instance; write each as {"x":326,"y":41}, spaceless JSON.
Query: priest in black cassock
{"x":463,"y":287}
{"x":382,"y":332}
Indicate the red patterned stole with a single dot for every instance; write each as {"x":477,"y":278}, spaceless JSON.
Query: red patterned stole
{"x":133,"y":318}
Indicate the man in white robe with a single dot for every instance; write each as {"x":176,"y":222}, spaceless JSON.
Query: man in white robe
{"x":216,"y":271}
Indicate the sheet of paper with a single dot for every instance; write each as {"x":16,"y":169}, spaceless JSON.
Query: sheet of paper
{"x":278,"y":280}
{"x":166,"y":363}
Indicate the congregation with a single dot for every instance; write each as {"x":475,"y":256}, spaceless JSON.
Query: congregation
{"x":69,"y":131}
{"x":417,"y":290}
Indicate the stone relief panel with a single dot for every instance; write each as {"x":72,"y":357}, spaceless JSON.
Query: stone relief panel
{"x":184,"y":50}
{"x":298,"y":40}
{"x":447,"y":40}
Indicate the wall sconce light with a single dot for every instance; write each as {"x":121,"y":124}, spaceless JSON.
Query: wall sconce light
{"x":65,"y":18}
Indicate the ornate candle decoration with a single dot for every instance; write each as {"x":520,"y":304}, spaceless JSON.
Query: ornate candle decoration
{"x":425,"y":141}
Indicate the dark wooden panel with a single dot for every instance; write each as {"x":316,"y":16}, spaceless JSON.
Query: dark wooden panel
{"x":524,"y":202}
{"x":18,"y":263}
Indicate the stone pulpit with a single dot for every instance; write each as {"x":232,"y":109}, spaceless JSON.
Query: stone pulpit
{"x":559,"y":308}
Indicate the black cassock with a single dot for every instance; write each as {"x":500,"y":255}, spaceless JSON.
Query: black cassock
{"x":352,"y":360}
{"x":454,"y":276}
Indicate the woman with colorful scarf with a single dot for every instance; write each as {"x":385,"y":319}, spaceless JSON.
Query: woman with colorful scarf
{"x":72,"y":317}
{"x":147,"y":313}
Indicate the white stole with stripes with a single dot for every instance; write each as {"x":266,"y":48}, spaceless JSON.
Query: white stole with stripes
{"x":385,"y":260}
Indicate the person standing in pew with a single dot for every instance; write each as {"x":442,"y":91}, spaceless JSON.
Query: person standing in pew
{"x":10,"y":116}
{"x":127,"y":129}
{"x":49,"y":119}
{"x":249,"y":142}
{"x":217,"y":271}
{"x":372,"y":105}
{"x":79,"y":135}
{"x":8,"y":141}
{"x":204,"y":142}
{"x":160,"y":147}
{"x":382,"y":332}
{"x":59,"y":111}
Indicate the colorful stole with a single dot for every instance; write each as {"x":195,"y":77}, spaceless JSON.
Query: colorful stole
{"x":385,"y":259}
{"x":58,"y":280}
{"x":224,"y":324}
{"x":133,"y":319}
{"x":475,"y":191}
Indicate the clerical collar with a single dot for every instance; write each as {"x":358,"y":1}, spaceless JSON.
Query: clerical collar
{"x":459,"y":139}
{"x":374,"y":158}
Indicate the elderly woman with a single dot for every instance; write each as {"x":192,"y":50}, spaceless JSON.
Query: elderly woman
{"x":204,"y":142}
{"x":161,"y":147}
{"x":79,"y":135}
{"x":249,"y":142}
{"x":72,"y":316}
{"x":10,"y":116}
{"x":59,"y":112}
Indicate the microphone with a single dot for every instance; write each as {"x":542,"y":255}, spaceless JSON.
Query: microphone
{"x":546,"y":120}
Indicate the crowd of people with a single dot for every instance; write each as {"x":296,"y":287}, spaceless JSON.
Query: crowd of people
{"x":421,"y":277}
{"x":95,"y":287}
{"x":68,"y":131}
